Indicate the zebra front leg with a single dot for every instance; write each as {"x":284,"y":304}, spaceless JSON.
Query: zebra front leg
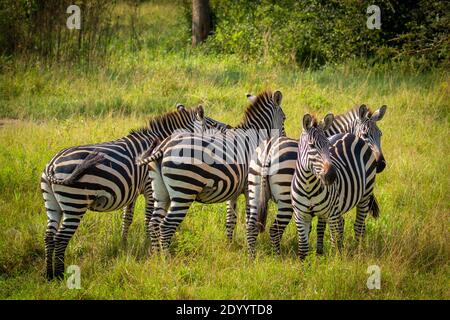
{"x":320,"y":229}
{"x":231,"y":219}
{"x":303,"y":224}
{"x":282,"y":219}
{"x":127,"y":218}
{"x":337,"y":231}
{"x":70,"y":222}
{"x":175,"y":215}
{"x":362,"y":209}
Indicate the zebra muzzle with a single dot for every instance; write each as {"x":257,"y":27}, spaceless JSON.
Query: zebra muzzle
{"x":329,"y":176}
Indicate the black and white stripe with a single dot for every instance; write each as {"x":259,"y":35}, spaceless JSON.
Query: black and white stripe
{"x":272,"y":169}
{"x":104,"y":177}
{"x":207,"y":168}
{"x":331,"y":177}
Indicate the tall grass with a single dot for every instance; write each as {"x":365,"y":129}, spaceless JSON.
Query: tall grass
{"x":43,"y":110}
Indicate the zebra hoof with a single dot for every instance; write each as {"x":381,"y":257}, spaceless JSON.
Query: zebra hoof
{"x":302,"y":257}
{"x":320,"y":251}
{"x":49,"y":275}
{"x":59,"y":274}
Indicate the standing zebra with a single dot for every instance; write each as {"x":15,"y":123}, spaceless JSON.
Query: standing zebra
{"x":272,"y":170}
{"x":331,"y":177}
{"x":207,"y":168}
{"x":104,"y":177}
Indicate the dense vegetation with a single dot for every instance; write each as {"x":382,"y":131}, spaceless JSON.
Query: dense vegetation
{"x":47,"y":104}
{"x":316,"y":32}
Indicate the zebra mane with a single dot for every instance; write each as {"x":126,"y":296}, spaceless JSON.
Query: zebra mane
{"x":260,"y":101}
{"x":165,"y":120}
{"x":353,"y":113}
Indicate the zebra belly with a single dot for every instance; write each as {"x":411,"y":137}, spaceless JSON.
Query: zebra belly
{"x":205,"y":183}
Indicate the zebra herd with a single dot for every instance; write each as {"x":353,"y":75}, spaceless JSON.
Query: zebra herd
{"x":183,"y":156}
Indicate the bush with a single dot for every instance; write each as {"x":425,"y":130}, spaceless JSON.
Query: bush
{"x":315,"y":32}
{"x":39,"y":27}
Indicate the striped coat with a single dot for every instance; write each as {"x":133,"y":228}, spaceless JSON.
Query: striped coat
{"x":103,"y":177}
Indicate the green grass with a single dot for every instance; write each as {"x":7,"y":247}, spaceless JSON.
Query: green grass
{"x":45,"y":109}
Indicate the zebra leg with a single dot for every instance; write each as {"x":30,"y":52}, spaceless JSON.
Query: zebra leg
{"x":70,"y":222}
{"x":231,"y":219}
{"x":175,"y":215}
{"x":282,"y":219}
{"x":54,"y":215}
{"x":337,"y":231}
{"x":362,"y":209}
{"x":127,"y":218}
{"x":252,"y":228}
{"x":149,"y":208}
{"x":155,"y":223}
{"x":320,"y":229}
{"x":303,"y":224}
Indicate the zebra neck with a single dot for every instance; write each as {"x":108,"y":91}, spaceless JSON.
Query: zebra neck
{"x":139,"y":141}
{"x":343,"y":123}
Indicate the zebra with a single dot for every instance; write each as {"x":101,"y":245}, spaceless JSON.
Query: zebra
{"x":104,"y":177}
{"x":272,"y":170}
{"x":331,"y":177}
{"x":207,"y":168}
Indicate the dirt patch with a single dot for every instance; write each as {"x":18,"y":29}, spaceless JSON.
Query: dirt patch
{"x":7,"y":121}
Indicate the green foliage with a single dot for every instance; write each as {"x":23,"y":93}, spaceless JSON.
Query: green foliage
{"x":35,"y":28}
{"x":315,"y":32}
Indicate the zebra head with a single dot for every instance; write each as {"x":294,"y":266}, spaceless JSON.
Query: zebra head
{"x":314,"y":148}
{"x":366,"y":128}
{"x":201,"y":123}
{"x":266,"y":111}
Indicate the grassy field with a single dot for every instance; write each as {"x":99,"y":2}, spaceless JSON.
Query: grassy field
{"x":43,"y":110}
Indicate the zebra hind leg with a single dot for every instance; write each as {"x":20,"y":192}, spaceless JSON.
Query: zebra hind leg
{"x":54,"y":215}
{"x":251,"y":229}
{"x":231,"y":219}
{"x":282,"y":219}
{"x":154,"y":225}
{"x":70,"y":222}
{"x":127,"y":219}
{"x":149,"y":208}
{"x":175,"y":215}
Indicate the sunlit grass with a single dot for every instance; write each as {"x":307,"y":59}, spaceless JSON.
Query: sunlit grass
{"x":59,"y":107}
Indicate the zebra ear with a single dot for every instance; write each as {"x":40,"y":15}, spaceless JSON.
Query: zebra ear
{"x":180,"y":107}
{"x":200,"y":112}
{"x":362,"y":111}
{"x":277,"y":97}
{"x":327,"y":121}
{"x":379,"y":114}
{"x":251,"y":98}
{"x":307,"y":121}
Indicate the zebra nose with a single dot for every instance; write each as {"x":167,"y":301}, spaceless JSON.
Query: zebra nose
{"x":329,"y":175}
{"x":381,"y":164}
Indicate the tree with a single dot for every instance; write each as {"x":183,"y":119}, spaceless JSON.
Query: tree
{"x":201,"y":21}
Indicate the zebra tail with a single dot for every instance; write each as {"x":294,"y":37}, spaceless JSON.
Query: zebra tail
{"x":92,"y":159}
{"x":374,"y":208}
{"x":263,"y":200}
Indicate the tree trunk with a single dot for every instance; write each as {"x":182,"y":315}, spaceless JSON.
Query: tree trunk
{"x":201,"y":21}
